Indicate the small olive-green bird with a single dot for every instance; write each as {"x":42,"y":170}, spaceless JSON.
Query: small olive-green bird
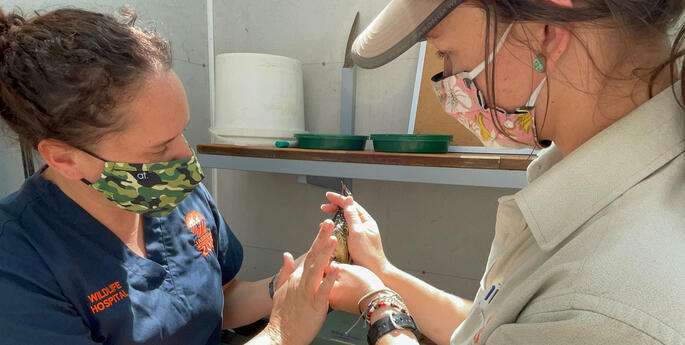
{"x":341,"y":253}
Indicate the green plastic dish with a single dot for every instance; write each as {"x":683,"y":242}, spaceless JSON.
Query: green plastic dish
{"x":411,"y":143}
{"x":331,"y":142}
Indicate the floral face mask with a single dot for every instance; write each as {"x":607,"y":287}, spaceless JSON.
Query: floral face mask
{"x":150,"y":189}
{"x":461,"y":99}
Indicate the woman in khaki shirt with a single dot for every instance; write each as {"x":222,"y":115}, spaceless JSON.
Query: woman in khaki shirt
{"x":591,"y":251}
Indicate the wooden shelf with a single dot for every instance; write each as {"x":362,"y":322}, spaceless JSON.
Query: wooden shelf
{"x":461,"y":169}
{"x":450,"y":160}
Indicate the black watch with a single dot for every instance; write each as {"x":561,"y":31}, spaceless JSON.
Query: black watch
{"x":389,"y":324}
{"x":272,"y":286}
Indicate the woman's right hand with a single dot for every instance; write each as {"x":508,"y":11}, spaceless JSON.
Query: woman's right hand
{"x":364,"y":239}
{"x":353,"y":283}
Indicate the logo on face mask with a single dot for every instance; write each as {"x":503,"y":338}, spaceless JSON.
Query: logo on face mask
{"x":496,"y":128}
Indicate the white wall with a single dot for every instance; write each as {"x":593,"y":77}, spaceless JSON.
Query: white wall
{"x":441,"y":233}
{"x":183,"y":22}
{"x":11,"y":169}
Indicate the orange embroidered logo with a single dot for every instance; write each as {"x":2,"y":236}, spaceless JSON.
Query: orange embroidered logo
{"x":106,"y":297}
{"x":197,"y":225}
{"x":476,"y":338}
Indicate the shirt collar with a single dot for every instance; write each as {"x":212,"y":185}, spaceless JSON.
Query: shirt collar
{"x":565,"y":193}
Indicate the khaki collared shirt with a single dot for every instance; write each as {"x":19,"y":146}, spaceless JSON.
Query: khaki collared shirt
{"x":592,"y":251}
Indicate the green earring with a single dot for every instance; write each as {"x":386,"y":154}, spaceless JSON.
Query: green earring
{"x":540,"y":63}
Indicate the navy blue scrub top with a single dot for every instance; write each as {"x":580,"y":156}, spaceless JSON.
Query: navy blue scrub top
{"x":67,"y":279}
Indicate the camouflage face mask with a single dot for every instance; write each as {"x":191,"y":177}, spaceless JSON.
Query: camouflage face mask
{"x":150,"y":189}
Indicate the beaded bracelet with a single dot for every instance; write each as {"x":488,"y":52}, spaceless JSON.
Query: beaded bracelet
{"x":359,"y":304}
{"x":392,"y":302}
{"x":383,"y":303}
{"x":391,"y":294}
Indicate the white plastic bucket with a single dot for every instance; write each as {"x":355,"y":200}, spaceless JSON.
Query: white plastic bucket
{"x":259,"y":99}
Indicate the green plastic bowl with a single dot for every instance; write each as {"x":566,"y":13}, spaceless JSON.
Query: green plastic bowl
{"x":331,"y":142}
{"x":411,"y":143}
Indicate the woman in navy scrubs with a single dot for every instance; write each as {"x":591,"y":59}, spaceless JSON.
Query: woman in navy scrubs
{"x":116,"y":240}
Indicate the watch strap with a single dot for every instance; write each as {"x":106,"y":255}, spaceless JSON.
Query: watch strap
{"x":272,"y":286}
{"x":390,"y":323}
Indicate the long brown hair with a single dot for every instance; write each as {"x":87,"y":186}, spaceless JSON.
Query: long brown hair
{"x":636,"y":20}
{"x":62,"y":74}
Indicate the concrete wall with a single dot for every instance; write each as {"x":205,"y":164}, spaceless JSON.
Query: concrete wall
{"x":440,"y":233}
{"x":183,"y":22}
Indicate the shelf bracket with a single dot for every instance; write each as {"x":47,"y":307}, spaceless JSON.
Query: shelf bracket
{"x":328,"y":183}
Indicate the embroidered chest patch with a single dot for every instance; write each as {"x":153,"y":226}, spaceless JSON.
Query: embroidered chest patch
{"x":198,"y":226}
{"x":106,"y":297}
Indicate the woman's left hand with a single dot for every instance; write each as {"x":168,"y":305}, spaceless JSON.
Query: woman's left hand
{"x":364,"y":239}
{"x":301,"y":304}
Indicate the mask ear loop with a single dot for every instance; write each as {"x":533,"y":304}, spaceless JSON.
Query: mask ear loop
{"x":531,"y":105}
{"x":536,"y":94}
{"x":88,"y":183}
{"x":479,"y":69}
